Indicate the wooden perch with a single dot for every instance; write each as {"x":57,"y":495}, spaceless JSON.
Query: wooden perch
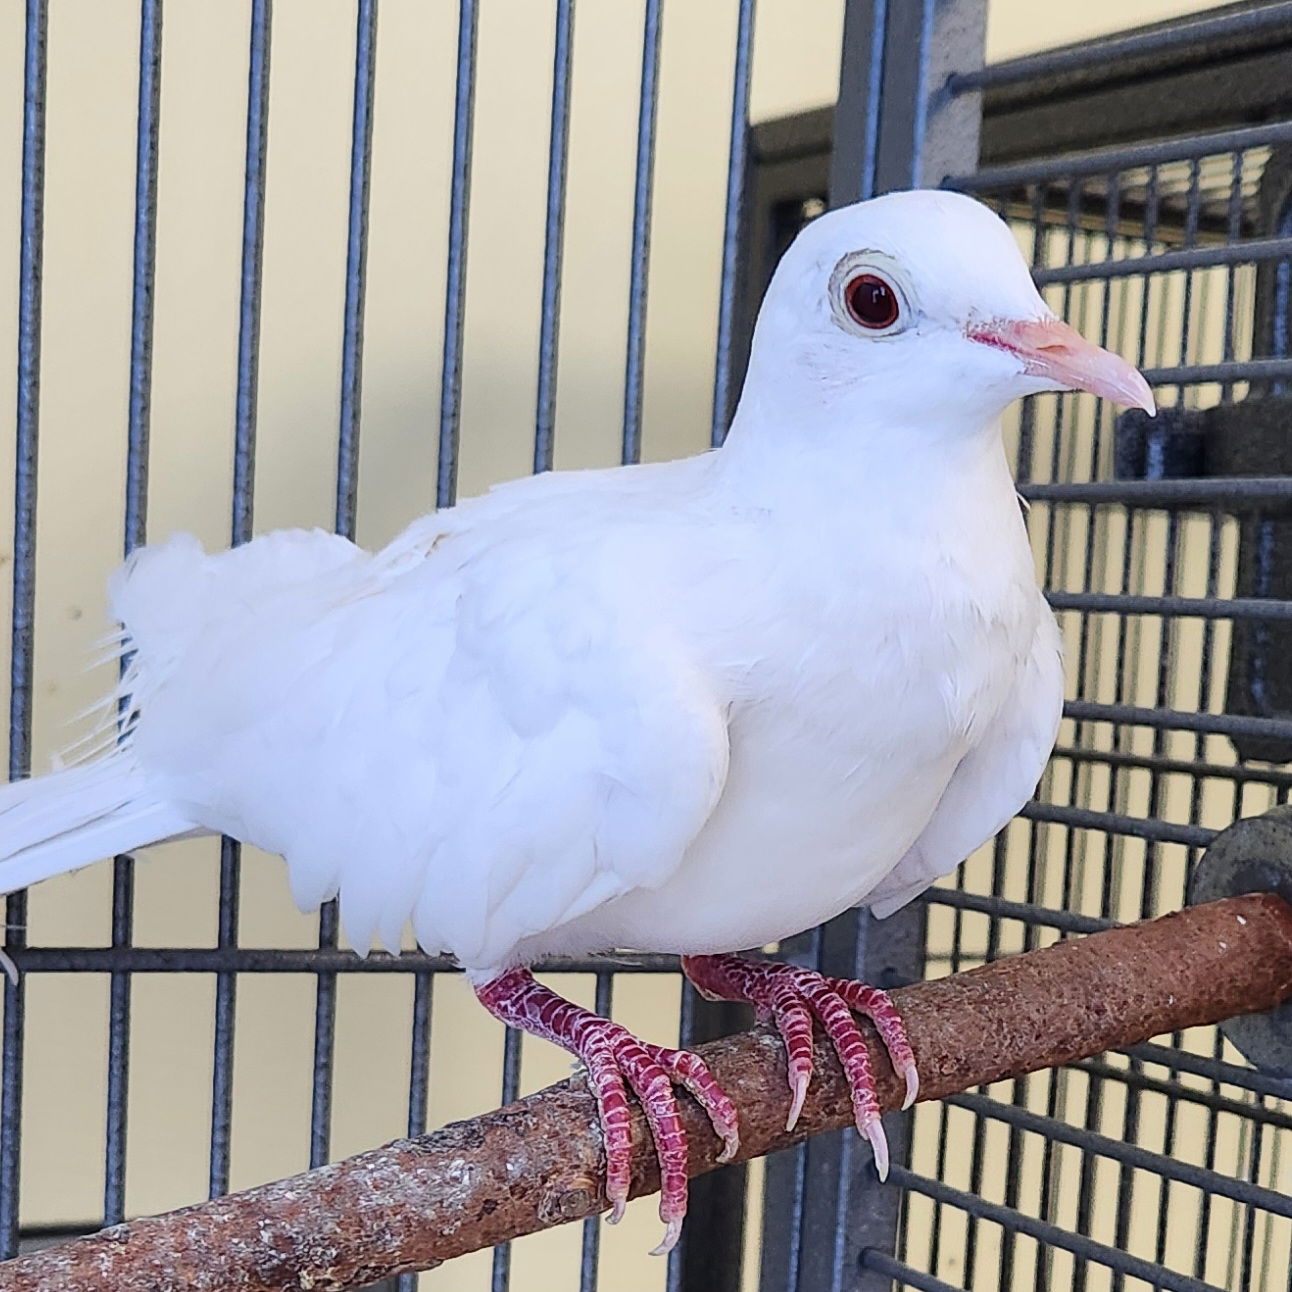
{"x":418,"y":1202}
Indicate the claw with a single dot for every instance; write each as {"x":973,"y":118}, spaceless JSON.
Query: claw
{"x":874,"y":1132}
{"x":912,"y":1078}
{"x":618,"y":1206}
{"x":694,"y":1074}
{"x":730,"y":1146}
{"x":672,"y":1232}
{"x":799,"y":1088}
{"x":793,"y":996}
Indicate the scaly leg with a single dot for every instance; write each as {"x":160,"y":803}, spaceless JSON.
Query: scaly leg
{"x":791,"y":997}
{"x":612,"y":1055}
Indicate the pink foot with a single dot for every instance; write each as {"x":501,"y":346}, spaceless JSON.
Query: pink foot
{"x":612,"y":1055}
{"x":791,"y":997}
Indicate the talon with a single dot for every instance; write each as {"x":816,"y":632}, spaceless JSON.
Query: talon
{"x":799,"y":1089}
{"x":730,"y":1146}
{"x":912,"y":1077}
{"x":694,"y":1074}
{"x":615,"y":1061}
{"x":794,"y":996}
{"x":874,"y":1132}
{"x":672,"y":1232}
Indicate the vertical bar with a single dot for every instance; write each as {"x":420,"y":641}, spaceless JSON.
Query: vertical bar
{"x":718,"y":1201}
{"x":226,"y":986}
{"x":1027,"y":414}
{"x":244,"y":466}
{"x":456,"y":283}
{"x":1130,"y":1119}
{"x":356,"y":265}
{"x":1216,"y":520}
{"x":895,"y":127}
{"x":1281,"y":291}
{"x":1057,"y":525}
{"x":1089,"y":651}
{"x":136,"y":514}
{"x":1247,"y":1247}
{"x":888,"y":953}
{"x":500,"y":1277}
{"x":709,"y":1256}
{"x":557,"y":155}
{"x":253,"y":238}
{"x":24,"y":575}
{"x":924,"y":133}
{"x":1015,"y":1149}
{"x":590,"y":1248}
{"x":420,"y":1053}
{"x":737,"y":162}
{"x":347,"y":492}
{"x":856,"y":115}
{"x":635,"y":368}
{"x":843,"y":1208}
{"x":145,"y":259}
{"x":785,"y":1178}
{"x":114,"y":1175}
{"x":419,"y":1066}
{"x":1233,"y":234}
{"x":324,"y":1044}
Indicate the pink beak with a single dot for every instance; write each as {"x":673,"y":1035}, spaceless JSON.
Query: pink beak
{"x":1051,"y":350}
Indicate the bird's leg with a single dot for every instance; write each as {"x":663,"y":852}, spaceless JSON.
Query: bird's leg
{"x":612,"y":1055}
{"x":791,"y":997}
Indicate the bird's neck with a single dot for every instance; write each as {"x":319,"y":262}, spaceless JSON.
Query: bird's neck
{"x":835,"y":465}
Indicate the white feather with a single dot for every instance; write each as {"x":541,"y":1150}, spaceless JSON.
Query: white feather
{"x":691,"y":707}
{"x":68,"y":818}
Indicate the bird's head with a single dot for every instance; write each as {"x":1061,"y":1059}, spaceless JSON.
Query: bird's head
{"x":916,"y":309}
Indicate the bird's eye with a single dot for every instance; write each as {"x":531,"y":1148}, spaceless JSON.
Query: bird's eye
{"x":871,"y":302}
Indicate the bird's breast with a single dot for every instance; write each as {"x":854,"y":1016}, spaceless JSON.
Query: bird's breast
{"x":844,"y":734}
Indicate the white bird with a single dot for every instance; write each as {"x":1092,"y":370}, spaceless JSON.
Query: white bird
{"x":691,"y":707}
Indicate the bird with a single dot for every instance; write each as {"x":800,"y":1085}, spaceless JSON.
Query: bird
{"x":690,"y":707}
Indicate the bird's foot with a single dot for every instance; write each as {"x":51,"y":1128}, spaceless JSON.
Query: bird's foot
{"x":791,"y":997}
{"x":613,"y":1057}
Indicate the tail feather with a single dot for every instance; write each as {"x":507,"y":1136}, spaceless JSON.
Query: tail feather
{"x":60,"y":822}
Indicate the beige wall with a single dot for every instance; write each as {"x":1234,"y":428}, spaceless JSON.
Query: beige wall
{"x":92,"y":81}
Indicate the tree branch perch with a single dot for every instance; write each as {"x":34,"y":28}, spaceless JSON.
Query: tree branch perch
{"x":417,"y":1202}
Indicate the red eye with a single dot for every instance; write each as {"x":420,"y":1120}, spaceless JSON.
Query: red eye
{"x":871,"y":302}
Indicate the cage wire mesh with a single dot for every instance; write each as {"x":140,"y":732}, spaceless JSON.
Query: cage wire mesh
{"x":242,"y":1042}
{"x":1166,"y":1166}
{"x":1172,"y":1156}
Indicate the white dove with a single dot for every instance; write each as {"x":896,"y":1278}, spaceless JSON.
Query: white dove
{"x":689,"y":707}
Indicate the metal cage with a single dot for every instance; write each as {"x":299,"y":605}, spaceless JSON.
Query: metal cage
{"x":1147,"y":177}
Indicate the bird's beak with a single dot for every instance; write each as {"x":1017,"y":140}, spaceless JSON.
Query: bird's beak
{"x":1051,"y":350}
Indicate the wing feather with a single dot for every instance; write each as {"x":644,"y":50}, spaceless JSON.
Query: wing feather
{"x":991,"y":782}
{"x":486,"y":729}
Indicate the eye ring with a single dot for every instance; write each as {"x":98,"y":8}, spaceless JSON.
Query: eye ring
{"x":872,"y":302}
{"x":860,"y":284}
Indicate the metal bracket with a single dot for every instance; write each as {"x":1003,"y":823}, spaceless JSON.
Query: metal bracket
{"x":1253,"y":856}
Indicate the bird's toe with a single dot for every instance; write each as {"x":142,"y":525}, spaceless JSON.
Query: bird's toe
{"x":691,"y":1071}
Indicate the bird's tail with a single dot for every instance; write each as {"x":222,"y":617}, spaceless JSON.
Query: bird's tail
{"x":67,"y":819}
